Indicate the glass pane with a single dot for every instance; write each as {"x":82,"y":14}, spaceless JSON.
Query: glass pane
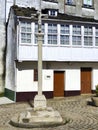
{"x":25,"y":32}
{"x":28,"y":40}
{"x":88,"y":31}
{"x":77,"y":30}
{"x":69,"y":1}
{"x":23,"y":29}
{"x":23,"y":40}
{"x":52,"y":39}
{"x":96,"y":31}
{"x":28,"y":29}
{"x":64,"y":40}
{"x":23,"y":35}
{"x":88,"y":2}
{"x":29,"y":36}
{"x":88,"y":41}
{"x":96,"y":43}
{"x":64,"y":29}
{"x":76,"y":40}
{"x":52,"y":28}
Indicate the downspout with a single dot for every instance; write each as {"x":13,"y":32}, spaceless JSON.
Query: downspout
{"x":16,"y":56}
{"x":14,"y":2}
{"x":5,"y":11}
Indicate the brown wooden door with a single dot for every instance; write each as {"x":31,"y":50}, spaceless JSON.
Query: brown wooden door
{"x":86,"y":80}
{"x":58,"y":84}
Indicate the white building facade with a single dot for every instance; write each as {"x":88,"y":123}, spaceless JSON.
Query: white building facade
{"x":70,"y":49}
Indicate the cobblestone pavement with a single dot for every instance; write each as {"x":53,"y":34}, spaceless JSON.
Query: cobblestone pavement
{"x":78,"y":110}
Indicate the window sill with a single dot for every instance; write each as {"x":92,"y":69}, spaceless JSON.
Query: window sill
{"x":26,"y":44}
{"x":53,"y":1}
{"x":88,"y":7}
{"x":70,"y":4}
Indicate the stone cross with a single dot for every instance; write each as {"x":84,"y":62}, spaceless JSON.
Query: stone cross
{"x":39,"y":100}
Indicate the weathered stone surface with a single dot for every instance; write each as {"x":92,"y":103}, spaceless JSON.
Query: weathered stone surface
{"x":39,"y":102}
{"x":31,"y":119}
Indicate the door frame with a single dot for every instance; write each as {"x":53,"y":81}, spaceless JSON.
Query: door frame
{"x":62,"y":71}
{"x":90,"y":70}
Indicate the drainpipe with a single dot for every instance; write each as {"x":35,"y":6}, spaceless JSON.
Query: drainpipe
{"x":14,"y":2}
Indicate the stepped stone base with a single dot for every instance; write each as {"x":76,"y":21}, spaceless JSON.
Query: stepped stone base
{"x":37,"y":118}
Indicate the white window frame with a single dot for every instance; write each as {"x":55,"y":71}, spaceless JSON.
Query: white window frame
{"x":69,"y":2}
{"x":88,"y":35}
{"x":25,"y":32}
{"x":64,"y":33}
{"x":96,"y":36}
{"x":52,"y":13}
{"x":88,"y":3}
{"x":52,"y":34}
{"x":76,"y":35}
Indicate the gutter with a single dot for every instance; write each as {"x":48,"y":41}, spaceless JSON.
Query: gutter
{"x":58,"y":20}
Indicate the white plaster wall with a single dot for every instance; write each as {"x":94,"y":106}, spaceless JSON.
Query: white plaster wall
{"x":65,"y":53}
{"x":94,"y":78}
{"x":10,"y":55}
{"x":26,"y":83}
{"x":48,"y":80}
{"x":25,"y":77}
{"x":72,"y":79}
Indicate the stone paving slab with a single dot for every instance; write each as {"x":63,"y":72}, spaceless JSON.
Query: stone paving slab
{"x":82,"y":115}
{"x":5,"y":100}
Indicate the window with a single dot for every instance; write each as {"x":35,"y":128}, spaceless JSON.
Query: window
{"x":87,"y":3}
{"x":52,"y":33}
{"x":88,"y":36}
{"x":96,"y":37}
{"x":25,"y":32}
{"x":76,"y":37}
{"x":36,"y":33}
{"x":55,"y":1}
{"x":35,"y":75}
{"x":70,"y":2}
{"x":52,"y":13}
{"x":64,"y":34}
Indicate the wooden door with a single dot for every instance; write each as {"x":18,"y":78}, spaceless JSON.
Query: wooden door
{"x":86,"y":80}
{"x":59,"y":84}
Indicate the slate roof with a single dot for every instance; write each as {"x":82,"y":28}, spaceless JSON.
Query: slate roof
{"x":22,"y":11}
{"x":27,"y":12}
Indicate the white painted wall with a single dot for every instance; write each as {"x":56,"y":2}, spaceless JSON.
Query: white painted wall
{"x":94,"y":78}
{"x":72,"y":79}
{"x":48,"y":80}
{"x":65,"y":53}
{"x":26,"y":83}
{"x":10,"y":55}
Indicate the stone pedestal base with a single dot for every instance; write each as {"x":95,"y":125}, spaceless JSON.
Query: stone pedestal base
{"x":39,"y":102}
{"x":38,"y":118}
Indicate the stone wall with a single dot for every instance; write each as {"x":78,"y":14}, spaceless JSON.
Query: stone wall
{"x":2,"y":44}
